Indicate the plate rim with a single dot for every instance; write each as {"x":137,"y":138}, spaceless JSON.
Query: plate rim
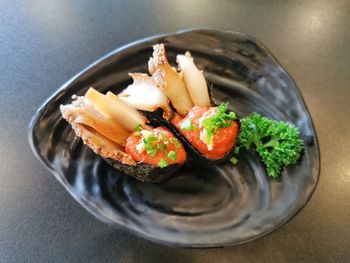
{"x":82,"y":201}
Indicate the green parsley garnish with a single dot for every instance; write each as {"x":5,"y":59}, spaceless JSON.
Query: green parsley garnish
{"x":175,"y":141}
{"x":172,"y":155}
{"x":187,"y":125}
{"x":277,"y":142}
{"x":163,"y":163}
{"x":221,"y":119}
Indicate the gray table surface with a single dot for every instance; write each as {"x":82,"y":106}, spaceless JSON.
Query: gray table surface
{"x":44,"y":43}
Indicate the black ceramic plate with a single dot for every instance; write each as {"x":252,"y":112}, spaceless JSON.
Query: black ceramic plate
{"x":224,"y":205}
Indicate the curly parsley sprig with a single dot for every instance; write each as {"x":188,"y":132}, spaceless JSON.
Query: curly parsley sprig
{"x":277,"y":142}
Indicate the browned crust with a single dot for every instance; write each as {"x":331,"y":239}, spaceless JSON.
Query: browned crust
{"x":156,"y":64}
{"x":159,"y":78}
{"x":158,"y":59}
{"x":99,"y":144}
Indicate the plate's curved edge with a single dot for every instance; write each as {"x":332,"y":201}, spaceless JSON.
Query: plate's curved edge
{"x":139,"y":232}
{"x":81,"y":200}
{"x":318,"y":168}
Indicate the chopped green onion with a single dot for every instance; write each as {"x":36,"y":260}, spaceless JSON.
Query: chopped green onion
{"x":152,"y":153}
{"x":150,"y":148}
{"x":172,"y":155}
{"x":163,"y":163}
{"x":163,"y":138}
{"x":220,"y":120}
{"x":175,"y":141}
{"x":187,"y":125}
{"x":161,"y":146}
{"x":138,"y":127}
{"x":152,"y":138}
{"x":138,"y":130}
{"x":233,"y":160}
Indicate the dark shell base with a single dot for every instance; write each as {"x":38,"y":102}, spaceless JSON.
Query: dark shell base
{"x":145,"y":172}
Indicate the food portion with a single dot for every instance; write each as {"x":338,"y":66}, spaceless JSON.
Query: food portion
{"x":158,"y":147}
{"x":208,"y":132}
{"x":194,"y":79}
{"x":211,"y":130}
{"x":169,"y":80}
{"x":277,"y":142}
{"x":143,"y":94}
{"x":115,"y":126}
{"x":118,"y":132}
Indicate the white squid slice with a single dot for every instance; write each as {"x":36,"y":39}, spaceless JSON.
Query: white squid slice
{"x":194,"y":79}
{"x":112,"y":107}
{"x":143,"y":94}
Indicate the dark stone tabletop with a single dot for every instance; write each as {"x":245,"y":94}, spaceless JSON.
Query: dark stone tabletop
{"x":44,"y":43}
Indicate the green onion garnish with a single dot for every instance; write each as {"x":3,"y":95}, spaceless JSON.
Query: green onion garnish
{"x":221,"y":119}
{"x":163,"y":163}
{"x":233,"y":160}
{"x":161,"y":146}
{"x":172,"y":155}
{"x":175,"y":141}
{"x":138,"y":129}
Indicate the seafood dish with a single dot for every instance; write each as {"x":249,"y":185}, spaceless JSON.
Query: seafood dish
{"x":167,"y":118}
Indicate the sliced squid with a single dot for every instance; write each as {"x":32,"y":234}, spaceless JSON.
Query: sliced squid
{"x":108,"y":128}
{"x":143,"y":94}
{"x":194,"y":79}
{"x":169,"y":80}
{"x":91,"y":131}
{"x":112,"y":107}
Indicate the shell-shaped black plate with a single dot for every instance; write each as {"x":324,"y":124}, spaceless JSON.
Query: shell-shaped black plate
{"x":223,"y":205}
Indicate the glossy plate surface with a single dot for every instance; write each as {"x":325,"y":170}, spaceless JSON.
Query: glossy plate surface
{"x":224,"y":205}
